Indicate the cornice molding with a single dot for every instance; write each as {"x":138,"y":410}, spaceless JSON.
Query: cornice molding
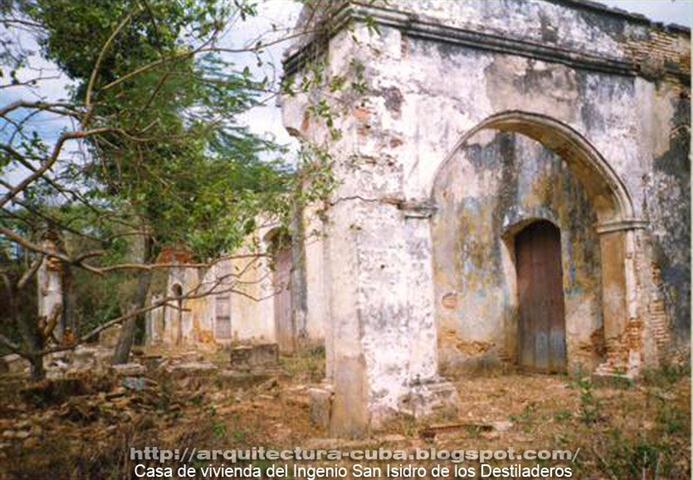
{"x":414,"y":27}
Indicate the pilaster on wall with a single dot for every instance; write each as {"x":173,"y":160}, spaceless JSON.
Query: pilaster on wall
{"x":636,"y":324}
{"x":383,"y":327}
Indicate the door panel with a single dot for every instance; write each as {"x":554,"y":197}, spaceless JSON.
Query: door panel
{"x":540,"y":289}
{"x":222,"y":324}
{"x":282,"y":300}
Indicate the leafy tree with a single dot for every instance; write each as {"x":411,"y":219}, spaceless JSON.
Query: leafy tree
{"x":161,"y":159}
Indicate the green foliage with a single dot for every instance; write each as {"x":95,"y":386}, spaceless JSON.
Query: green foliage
{"x":562,"y":416}
{"x":666,"y":375}
{"x":158,"y":157}
{"x":219,"y":430}
{"x":590,"y":407}
{"x":176,"y":159}
{"x":639,"y":457}
{"x":307,"y":365}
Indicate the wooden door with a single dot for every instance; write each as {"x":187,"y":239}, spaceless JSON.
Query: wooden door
{"x":540,"y":286}
{"x":222,"y":318}
{"x":282,"y":300}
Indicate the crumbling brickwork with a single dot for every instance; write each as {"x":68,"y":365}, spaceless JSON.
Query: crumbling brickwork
{"x":606,"y":92}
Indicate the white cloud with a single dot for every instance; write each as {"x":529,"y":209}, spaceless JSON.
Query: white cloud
{"x":665,"y":11}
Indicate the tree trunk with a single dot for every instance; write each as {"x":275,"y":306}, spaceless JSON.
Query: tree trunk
{"x":38,"y":372}
{"x":32,"y":339}
{"x":121,"y":353}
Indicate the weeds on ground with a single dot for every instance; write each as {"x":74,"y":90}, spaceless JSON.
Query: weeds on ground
{"x":305,"y":366}
{"x":644,"y":447}
{"x":590,"y":406}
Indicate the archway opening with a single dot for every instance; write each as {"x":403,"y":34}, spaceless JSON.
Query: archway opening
{"x":282,"y":264}
{"x":511,"y":170}
{"x":177,"y":291}
{"x":541,"y":309}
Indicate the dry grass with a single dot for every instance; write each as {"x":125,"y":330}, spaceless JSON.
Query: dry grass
{"x":638,"y":432}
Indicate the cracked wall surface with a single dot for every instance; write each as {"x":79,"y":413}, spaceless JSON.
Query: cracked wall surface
{"x":241,"y":283}
{"x":606,"y":96}
{"x":493,"y":187}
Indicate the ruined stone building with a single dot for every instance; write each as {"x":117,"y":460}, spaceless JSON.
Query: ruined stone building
{"x":243,"y":298}
{"x":513,"y":188}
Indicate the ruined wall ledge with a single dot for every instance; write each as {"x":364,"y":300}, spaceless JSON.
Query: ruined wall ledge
{"x":621,"y":225}
{"x":413,"y":26}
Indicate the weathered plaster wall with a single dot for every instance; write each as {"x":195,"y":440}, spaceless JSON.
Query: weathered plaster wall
{"x":667,"y":202}
{"x":247,"y":284}
{"x":441,"y":91}
{"x":316,"y":299}
{"x":178,"y":323}
{"x":246,"y":278}
{"x":492,"y":188}
{"x":435,"y":72}
{"x":252,"y":310}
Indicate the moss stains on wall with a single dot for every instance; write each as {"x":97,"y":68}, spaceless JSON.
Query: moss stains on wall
{"x":487,"y":194}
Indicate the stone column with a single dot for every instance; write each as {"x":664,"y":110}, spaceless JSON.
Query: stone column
{"x":383,"y":325}
{"x":348,"y":376}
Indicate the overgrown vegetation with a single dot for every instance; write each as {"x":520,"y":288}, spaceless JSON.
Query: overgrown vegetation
{"x":146,"y":153}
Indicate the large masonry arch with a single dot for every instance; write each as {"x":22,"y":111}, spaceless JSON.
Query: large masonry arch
{"x":607,"y":190}
{"x":465,"y":286}
{"x":593,"y":105}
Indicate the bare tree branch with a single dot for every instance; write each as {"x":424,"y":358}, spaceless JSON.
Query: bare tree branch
{"x":97,"y":65}
{"x":36,"y":264}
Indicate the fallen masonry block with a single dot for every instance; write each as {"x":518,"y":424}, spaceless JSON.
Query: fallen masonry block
{"x":135,"y":383}
{"x":13,"y":363}
{"x":196,"y":369}
{"x":249,"y":357}
{"x":238,"y":379}
{"x":320,"y":406}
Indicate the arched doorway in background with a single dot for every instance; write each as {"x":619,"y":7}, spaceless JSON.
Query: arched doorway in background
{"x":282,"y":264}
{"x":474,"y":326}
{"x":177,"y":291}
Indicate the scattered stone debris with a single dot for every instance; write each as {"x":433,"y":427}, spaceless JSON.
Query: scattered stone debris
{"x":13,"y":363}
{"x":135,"y":383}
{"x":483,"y":428}
{"x":320,"y":405}
{"x":252,"y":357}
{"x":53,"y":391}
{"x":128,"y":369}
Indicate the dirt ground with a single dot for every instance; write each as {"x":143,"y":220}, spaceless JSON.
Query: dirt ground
{"x":83,"y":427}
